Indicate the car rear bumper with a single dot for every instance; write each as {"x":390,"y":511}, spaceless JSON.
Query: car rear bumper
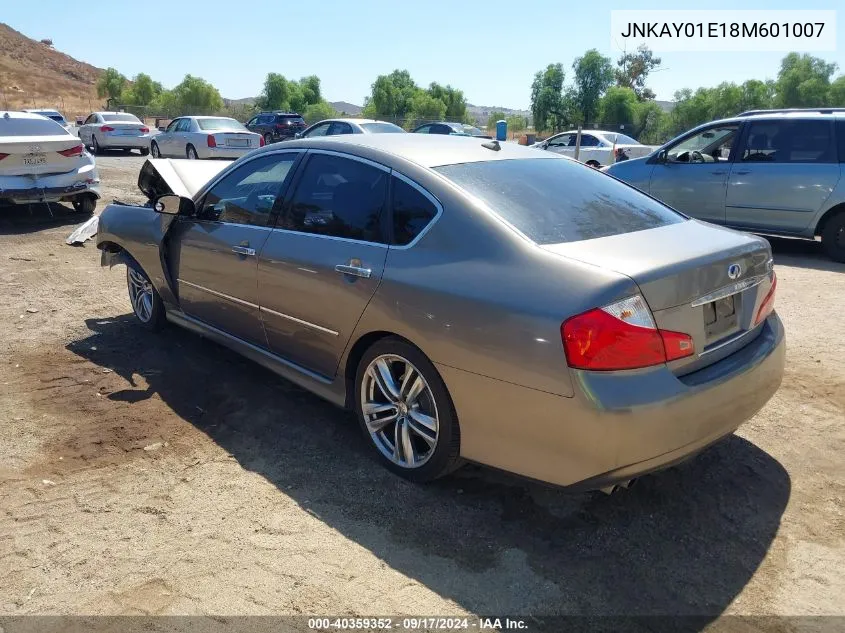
{"x":115,"y":141}
{"x":229,"y":153}
{"x":618,"y":425}
{"x":50,"y":188}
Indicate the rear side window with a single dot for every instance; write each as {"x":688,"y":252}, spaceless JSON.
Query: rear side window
{"x":786,"y":141}
{"x":558,"y":200}
{"x":412,"y":212}
{"x":381,"y":128}
{"x":339,"y":197}
{"x":840,"y":136}
{"x":39,"y":126}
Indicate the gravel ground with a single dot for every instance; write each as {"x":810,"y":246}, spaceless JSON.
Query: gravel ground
{"x":163,"y":474}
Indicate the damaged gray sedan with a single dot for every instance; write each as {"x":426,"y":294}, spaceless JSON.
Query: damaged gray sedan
{"x":469,"y":300}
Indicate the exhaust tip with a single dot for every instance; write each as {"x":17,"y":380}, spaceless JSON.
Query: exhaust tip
{"x":609,"y":490}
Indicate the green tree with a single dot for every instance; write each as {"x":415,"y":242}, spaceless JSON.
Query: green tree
{"x":143,"y":90}
{"x":195,"y":95}
{"x":650,"y":123}
{"x":633,"y":70}
{"x":803,"y":81}
{"x":494,"y":118}
{"x":276,"y":93}
{"x":456,"y":104}
{"x":392,"y":95}
{"x":618,"y":106}
{"x":318,"y":111}
{"x":593,"y":76}
{"x":428,"y":108}
{"x":548,"y":105}
{"x":757,"y":95}
{"x":111,"y":84}
{"x":310,"y":88}
{"x":517,"y":123}
{"x":836,"y":95}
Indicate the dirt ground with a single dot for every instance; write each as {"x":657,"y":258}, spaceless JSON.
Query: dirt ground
{"x":163,"y":474}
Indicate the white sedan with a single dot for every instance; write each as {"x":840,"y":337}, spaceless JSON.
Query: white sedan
{"x":115,"y":130}
{"x":597,"y":146}
{"x":204,"y":137}
{"x":40,"y":161}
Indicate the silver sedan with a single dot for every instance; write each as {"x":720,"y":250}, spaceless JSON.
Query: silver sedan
{"x":114,"y":130}
{"x":469,"y":300}
{"x":337,"y":127}
{"x":204,"y":137}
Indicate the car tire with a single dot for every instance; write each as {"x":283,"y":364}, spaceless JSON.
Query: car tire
{"x":154,"y":149}
{"x":833,"y":237}
{"x":191,"y":152}
{"x":147,"y":305}
{"x":144,"y":151}
{"x":430,"y":436}
{"x":268,"y":139}
{"x":85,"y":203}
{"x":95,"y":146}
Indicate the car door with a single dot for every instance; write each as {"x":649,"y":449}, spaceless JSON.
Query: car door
{"x":252,"y":125}
{"x":692,"y":174}
{"x":783,"y":174}
{"x":181,"y":138}
{"x":339,"y":127}
{"x":165,"y":139}
{"x":324,"y":260}
{"x":85,"y":131}
{"x":593,"y":148}
{"x":214,"y":253}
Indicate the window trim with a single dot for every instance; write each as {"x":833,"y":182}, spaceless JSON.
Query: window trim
{"x":427,"y":194}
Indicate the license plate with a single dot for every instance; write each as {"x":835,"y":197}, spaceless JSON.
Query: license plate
{"x":130,"y":132}
{"x":237,"y":142}
{"x":720,"y":316}
{"x":34,"y":159}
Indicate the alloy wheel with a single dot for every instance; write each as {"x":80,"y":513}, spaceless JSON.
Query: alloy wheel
{"x":140,"y":294}
{"x":399,"y":410}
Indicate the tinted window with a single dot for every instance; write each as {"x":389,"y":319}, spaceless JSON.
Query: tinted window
{"x":381,"y":128}
{"x":551,"y":200}
{"x":318,"y":130}
{"x":425,"y":129}
{"x":441,"y":129}
{"x":840,"y":135}
{"x":184,"y":125}
{"x":36,"y":126}
{"x":121,"y":116}
{"x":339,"y":127}
{"x":222,"y":123}
{"x":588,"y":140}
{"x":173,"y":125}
{"x":339,"y":197}
{"x":412,"y":211}
{"x":789,"y":142}
{"x":247,"y":195}
{"x":265,"y":119}
{"x":92,"y":118}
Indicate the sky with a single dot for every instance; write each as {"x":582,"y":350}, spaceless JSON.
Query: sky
{"x":490,"y":49}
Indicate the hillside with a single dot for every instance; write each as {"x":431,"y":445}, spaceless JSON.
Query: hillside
{"x":35,"y":75}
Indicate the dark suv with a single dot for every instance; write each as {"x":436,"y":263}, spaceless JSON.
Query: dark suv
{"x":276,"y":126}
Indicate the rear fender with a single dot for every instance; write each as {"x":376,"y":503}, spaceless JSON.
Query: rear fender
{"x":134,"y":234}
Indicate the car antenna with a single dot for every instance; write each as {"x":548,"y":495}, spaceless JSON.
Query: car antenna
{"x":494,"y":145}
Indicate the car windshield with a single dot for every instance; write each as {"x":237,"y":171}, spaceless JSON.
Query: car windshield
{"x":121,"y":116}
{"x":223,"y":123}
{"x":40,"y":126}
{"x":557,"y":200}
{"x":381,"y":128}
{"x":471,"y":129}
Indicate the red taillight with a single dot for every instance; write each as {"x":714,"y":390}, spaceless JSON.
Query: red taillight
{"x":144,"y":130}
{"x":107,"y":128}
{"x":2,"y":156}
{"x":73,"y":151}
{"x":768,"y":302}
{"x":621,"y":336}
{"x":260,"y":141}
{"x":212,"y":142}
{"x":279,"y":126}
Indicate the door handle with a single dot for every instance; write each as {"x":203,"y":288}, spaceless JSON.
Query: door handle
{"x":356,"y":271}
{"x":721,"y":172}
{"x":742,"y":172}
{"x":244,"y":250}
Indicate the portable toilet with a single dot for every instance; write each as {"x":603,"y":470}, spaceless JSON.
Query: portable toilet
{"x":501,"y":130}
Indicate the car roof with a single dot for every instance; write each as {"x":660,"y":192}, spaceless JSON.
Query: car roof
{"x":18,"y":114}
{"x":205,"y":116}
{"x":113,"y":112}
{"x":423,"y":149}
{"x":351,"y":120}
{"x":40,"y":110}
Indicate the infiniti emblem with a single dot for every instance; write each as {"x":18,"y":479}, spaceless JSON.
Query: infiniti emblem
{"x":34,"y":148}
{"x":734,"y":271}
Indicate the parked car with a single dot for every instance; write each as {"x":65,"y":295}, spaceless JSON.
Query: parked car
{"x":55,"y":115}
{"x":334,"y":127}
{"x":770,"y":172}
{"x":276,"y":126}
{"x":114,"y":130}
{"x":597,"y":146}
{"x":338,"y":263}
{"x":452,"y":129}
{"x":205,"y":137}
{"x":40,"y":161}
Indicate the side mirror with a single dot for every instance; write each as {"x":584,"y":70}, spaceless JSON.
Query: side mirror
{"x":662,"y":156}
{"x":297,"y":135}
{"x":171,"y":204}
{"x":80,"y":120}
{"x":161,"y":128}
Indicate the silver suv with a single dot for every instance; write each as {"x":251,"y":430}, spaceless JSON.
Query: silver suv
{"x":778,"y":172}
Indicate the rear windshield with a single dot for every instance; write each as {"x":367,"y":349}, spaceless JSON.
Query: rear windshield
{"x":558,"y":200}
{"x":472,"y":130}
{"x":381,"y":128}
{"x":220,"y":124}
{"x":622,"y":139}
{"x":30,"y":127}
{"x":292,"y":119}
{"x":121,"y":116}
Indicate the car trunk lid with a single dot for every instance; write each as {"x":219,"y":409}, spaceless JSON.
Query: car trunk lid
{"x":123,"y":128}
{"x":37,"y":155}
{"x":700,"y":279}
